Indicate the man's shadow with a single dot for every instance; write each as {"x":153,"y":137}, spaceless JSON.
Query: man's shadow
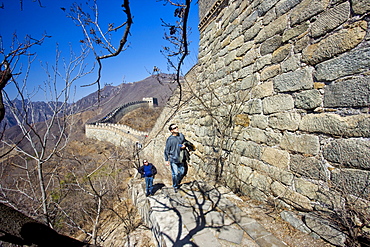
{"x":157,"y":186}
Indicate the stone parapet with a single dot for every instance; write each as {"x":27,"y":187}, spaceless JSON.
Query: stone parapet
{"x":119,"y":135}
{"x":122,"y":127}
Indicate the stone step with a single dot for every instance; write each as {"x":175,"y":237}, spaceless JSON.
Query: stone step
{"x":198,"y":215}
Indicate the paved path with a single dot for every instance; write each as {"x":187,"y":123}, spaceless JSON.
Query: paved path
{"x":198,"y":215}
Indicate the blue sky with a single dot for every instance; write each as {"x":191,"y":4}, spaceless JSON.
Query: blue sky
{"x":146,"y":39}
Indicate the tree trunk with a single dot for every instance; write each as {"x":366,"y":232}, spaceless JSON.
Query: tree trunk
{"x":43,"y":194}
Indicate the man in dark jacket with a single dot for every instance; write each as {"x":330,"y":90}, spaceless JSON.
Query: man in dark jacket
{"x":148,"y":171}
{"x":174,"y":144}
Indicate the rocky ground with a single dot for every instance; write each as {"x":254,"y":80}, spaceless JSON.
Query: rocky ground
{"x":264,"y":214}
{"x":270,"y":218}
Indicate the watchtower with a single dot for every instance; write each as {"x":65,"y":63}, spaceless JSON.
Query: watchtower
{"x":151,"y":101}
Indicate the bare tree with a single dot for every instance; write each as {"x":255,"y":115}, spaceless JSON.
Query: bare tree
{"x":98,"y":39}
{"x":41,"y":141}
{"x":10,"y":61}
{"x":94,"y":189}
{"x":176,"y":52}
{"x":3,"y":6}
{"x":178,"y":38}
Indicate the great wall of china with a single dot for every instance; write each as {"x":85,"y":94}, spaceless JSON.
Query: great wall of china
{"x":106,"y":129}
{"x":278,"y":107}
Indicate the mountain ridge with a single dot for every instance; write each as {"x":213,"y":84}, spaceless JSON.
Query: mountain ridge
{"x":102,"y":101}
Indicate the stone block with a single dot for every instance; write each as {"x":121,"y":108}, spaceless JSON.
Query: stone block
{"x":250,"y":20}
{"x":269,"y":17}
{"x":337,"y":43}
{"x":285,"y":120}
{"x":333,"y":124}
{"x":295,"y":221}
{"x":248,"y":149}
{"x":275,"y":157}
{"x":328,"y":198}
{"x":235,"y":65}
{"x":269,"y":72}
{"x":353,"y":153}
{"x":275,"y":27}
{"x":253,"y":107}
{"x":360,"y":6}
{"x":306,"y":144}
{"x":231,"y":234}
{"x":231,"y":56}
{"x":291,"y":63}
{"x":205,"y":238}
{"x":301,"y":43}
{"x":270,"y":45}
{"x":318,"y":85}
{"x":309,"y":167}
{"x":348,"y":93}
{"x":246,"y":46}
{"x":272,"y":171}
{"x":294,"y":199}
{"x":236,"y":33}
{"x":225,"y":42}
{"x":306,"y":9}
{"x":306,"y":188}
{"x":265,"y":6}
{"x":260,"y":181}
{"x":236,"y":43}
{"x":262,"y":90}
{"x":291,"y":33}
{"x":353,"y":62}
{"x":242,"y":119}
{"x":255,"y":230}
{"x":255,"y":134}
{"x":281,"y":53}
{"x":250,"y":57}
{"x":263,"y":61}
{"x":309,"y":99}
{"x":284,"y":6}
{"x":250,"y":33}
{"x":244,"y":172}
{"x":273,"y":138}
{"x":248,"y":81}
{"x":259,"y":121}
{"x":221,"y":53}
{"x":352,"y":182}
{"x":277,"y":103}
{"x":294,"y":81}
{"x":325,"y":230}
{"x":330,"y":19}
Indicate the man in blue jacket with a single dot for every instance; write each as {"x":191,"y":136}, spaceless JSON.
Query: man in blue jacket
{"x":147,"y":171}
{"x":174,"y":144}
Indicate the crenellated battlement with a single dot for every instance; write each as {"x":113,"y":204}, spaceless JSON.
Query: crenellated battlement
{"x":120,"y":128}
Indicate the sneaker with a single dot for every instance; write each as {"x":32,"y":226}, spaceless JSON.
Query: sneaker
{"x":147,"y":194}
{"x":175,"y":189}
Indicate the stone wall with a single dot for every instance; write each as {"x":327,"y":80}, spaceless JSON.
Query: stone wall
{"x":106,"y":128}
{"x":119,"y":135}
{"x":278,"y":107}
{"x":115,"y":115}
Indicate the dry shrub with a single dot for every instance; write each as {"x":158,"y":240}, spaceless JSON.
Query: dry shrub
{"x":142,"y":119}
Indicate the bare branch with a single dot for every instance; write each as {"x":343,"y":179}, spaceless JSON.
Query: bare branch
{"x":96,"y":38}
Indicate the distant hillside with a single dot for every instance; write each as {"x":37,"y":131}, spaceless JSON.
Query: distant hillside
{"x":37,"y":111}
{"x":111,"y":97}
